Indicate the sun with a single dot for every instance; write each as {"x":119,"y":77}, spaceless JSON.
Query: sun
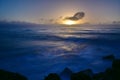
{"x":69,"y":22}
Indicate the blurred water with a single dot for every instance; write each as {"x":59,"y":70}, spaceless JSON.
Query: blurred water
{"x":36,"y":51}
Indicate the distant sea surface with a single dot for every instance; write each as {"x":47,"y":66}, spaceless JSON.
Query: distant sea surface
{"x":37,"y":50}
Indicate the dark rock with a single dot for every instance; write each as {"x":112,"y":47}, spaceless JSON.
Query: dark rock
{"x":116,"y":69}
{"x":82,"y":75}
{"x":52,"y":76}
{"x":116,"y":64}
{"x":65,"y":74}
{"x":109,"y":57}
{"x":88,"y":72}
{"x":6,"y":75}
{"x":98,"y":76}
{"x":66,"y":71}
{"x":112,"y":73}
{"x":108,"y":74}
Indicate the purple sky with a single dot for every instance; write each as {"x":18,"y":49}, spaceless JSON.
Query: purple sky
{"x":48,"y":10}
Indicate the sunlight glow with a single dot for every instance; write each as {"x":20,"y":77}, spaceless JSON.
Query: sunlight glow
{"x":69,"y":22}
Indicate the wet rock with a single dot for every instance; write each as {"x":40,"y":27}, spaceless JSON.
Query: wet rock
{"x":6,"y":75}
{"x":116,"y":69}
{"x":88,"y":72}
{"x":98,"y":76}
{"x":66,"y":72}
{"x":52,"y":76}
{"x":112,"y":73}
{"x":108,"y":74}
{"x":82,"y":75}
{"x":116,"y":64}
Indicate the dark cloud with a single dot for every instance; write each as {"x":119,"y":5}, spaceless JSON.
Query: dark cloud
{"x":76,"y":16}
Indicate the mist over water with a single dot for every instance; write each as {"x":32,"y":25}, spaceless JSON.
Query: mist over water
{"x":36,"y":51}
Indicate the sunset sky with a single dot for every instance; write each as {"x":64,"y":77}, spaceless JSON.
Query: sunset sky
{"x":45,"y":11}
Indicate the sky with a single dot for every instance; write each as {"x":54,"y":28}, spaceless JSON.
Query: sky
{"x":48,"y":11}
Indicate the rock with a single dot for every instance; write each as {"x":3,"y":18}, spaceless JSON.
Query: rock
{"x":109,"y":57}
{"x":88,"y":72}
{"x":66,"y":72}
{"x":82,"y":75}
{"x":98,"y":76}
{"x":116,"y":69}
{"x":109,"y":74}
{"x":6,"y":75}
{"x":116,"y":64}
{"x":52,"y":76}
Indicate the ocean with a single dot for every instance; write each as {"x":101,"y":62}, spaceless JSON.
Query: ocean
{"x":37,"y":50}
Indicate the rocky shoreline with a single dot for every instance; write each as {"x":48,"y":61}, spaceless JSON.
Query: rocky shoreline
{"x":112,"y":73}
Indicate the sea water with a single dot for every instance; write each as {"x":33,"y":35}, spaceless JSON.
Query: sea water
{"x":37,"y":50}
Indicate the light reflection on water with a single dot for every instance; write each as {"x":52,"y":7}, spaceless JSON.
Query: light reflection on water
{"x":56,"y":48}
{"x":45,"y":49}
